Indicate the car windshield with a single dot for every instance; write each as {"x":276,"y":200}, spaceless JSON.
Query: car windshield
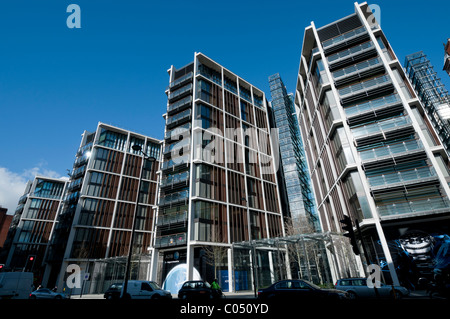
{"x":116,"y":287}
{"x":154,"y":285}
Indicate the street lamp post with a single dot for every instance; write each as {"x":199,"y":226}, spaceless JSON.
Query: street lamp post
{"x":137,"y":148}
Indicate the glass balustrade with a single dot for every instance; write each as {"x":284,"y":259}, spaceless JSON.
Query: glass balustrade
{"x":172,"y":163}
{"x":182,"y":79}
{"x":172,"y":218}
{"x":178,"y":104}
{"x":343,"y":37}
{"x":390,"y":150}
{"x":381,"y":126}
{"x":414,"y":206}
{"x":179,"y":117}
{"x":170,"y":240}
{"x":174,"y":198}
{"x":180,"y":91}
{"x":175,"y":179}
{"x":351,"y":89}
{"x":404,"y":176}
{"x":356,"y":68}
{"x":349,"y":52}
{"x":371,"y":105}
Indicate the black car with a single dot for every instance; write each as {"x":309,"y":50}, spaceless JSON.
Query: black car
{"x":299,"y":289}
{"x":196,"y":289}
{"x":114,"y":291}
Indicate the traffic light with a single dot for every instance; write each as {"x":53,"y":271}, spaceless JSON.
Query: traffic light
{"x":347,"y":226}
{"x":1,"y":267}
{"x":30,"y":262}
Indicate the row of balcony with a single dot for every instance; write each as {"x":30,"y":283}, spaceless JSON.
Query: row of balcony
{"x":178,"y":118}
{"x":343,"y":37}
{"x":403,"y":177}
{"x":372,"y":105}
{"x":356,"y":68}
{"x":172,"y":218}
{"x":414,"y":206}
{"x":175,"y":162}
{"x":175,"y":179}
{"x":176,"y":147}
{"x":181,"y":80}
{"x":364,"y":85}
{"x":381,"y":126}
{"x":181,"y":91}
{"x":350,"y":52}
{"x":174,"y":198}
{"x":75,"y":184}
{"x":176,"y":132}
{"x":179,"y":105}
{"x":391,"y":150}
{"x":171,"y":240}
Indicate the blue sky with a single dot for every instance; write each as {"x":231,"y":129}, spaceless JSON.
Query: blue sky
{"x":56,"y":82}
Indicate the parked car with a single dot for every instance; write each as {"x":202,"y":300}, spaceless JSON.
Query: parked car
{"x":16,"y":285}
{"x":357,"y":288}
{"x":299,"y":289}
{"x":45,"y":293}
{"x":197,"y":289}
{"x":114,"y":291}
{"x":142,"y":289}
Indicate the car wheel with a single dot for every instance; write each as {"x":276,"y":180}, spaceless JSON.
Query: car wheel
{"x":156,"y":297}
{"x":351,"y":295}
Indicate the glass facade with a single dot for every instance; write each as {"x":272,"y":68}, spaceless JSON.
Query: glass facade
{"x":301,"y":202}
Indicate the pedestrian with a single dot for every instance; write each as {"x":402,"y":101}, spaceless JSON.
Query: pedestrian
{"x":217,"y":292}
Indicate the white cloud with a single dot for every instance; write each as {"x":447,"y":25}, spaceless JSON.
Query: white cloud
{"x":12,"y":185}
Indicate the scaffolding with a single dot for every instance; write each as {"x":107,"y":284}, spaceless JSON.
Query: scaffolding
{"x":431,"y":92}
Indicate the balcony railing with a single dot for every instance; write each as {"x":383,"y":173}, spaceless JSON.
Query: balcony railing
{"x":414,"y":206}
{"x":343,"y":37}
{"x":180,"y":91}
{"x":350,"y":52}
{"x":181,"y":80}
{"x":354,"y":88}
{"x":176,"y":132}
{"x":171,"y":240}
{"x":175,"y":179}
{"x":185,"y":144}
{"x":174,"y":162}
{"x":178,"y":105}
{"x":356,"y":68}
{"x":372,"y":105}
{"x":174,"y":198}
{"x":179,"y":117}
{"x":402,"y":177}
{"x":391,"y":150}
{"x":172,"y":218}
{"x":380,"y":127}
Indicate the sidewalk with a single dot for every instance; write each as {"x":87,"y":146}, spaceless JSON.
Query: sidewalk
{"x":240,"y":295}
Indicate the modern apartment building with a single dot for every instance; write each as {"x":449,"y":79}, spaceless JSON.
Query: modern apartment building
{"x":109,"y":176}
{"x":372,"y":151}
{"x":33,"y":224}
{"x":218,"y":177}
{"x":432,"y":94}
{"x":301,"y":207}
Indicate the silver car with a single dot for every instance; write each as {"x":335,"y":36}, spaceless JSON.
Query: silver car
{"x":358,"y":288}
{"x":45,"y":293}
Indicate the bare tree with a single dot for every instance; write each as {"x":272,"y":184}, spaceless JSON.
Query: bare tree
{"x":215,"y":254}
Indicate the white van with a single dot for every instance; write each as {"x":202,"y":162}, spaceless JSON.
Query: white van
{"x":142,"y":289}
{"x":16,"y":285}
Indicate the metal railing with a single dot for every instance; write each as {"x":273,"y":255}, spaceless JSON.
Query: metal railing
{"x":364,"y":85}
{"x":372,"y":105}
{"x":343,"y":37}
{"x":171,"y":240}
{"x":404,"y":176}
{"x":356,"y":68}
{"x":351,"y":51}
{"x":414,"y":206}
{"x":390,"y":150}
{"x":172,"y":218}
{"x":380,"y":126}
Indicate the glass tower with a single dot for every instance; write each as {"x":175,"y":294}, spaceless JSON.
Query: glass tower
{"x":300,"y":200}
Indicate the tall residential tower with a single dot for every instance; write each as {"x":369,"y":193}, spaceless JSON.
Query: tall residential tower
{"x":372,"y":152}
